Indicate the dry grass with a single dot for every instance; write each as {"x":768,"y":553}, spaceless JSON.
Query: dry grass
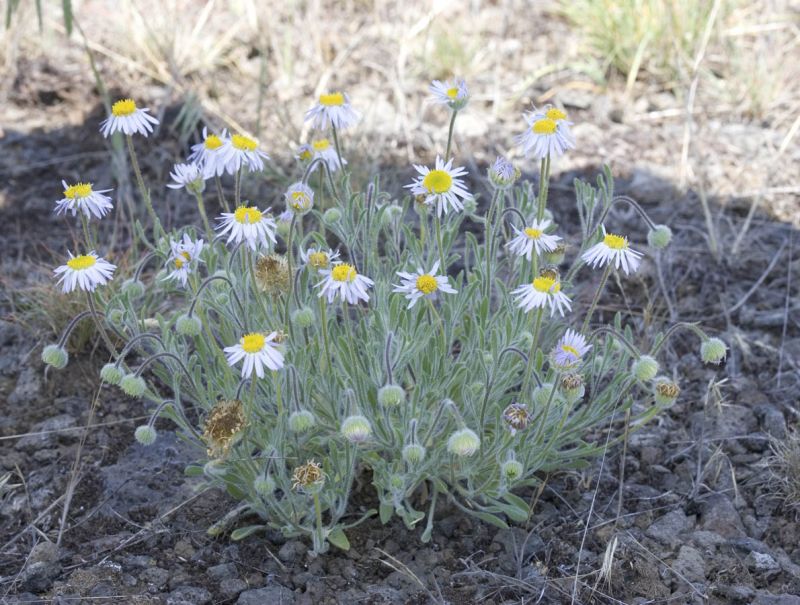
{"x":784,"y":470}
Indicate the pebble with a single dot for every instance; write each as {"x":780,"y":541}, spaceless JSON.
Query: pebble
{"x":279,"y":595}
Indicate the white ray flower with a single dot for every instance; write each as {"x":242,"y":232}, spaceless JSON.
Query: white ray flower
{"x":240,"y":151}
{"x":127,"y":118}
{"x":343,"y":280}
{"x":453,"y":94}
{"x":80,"y":197}
{"x":86,"y":272}
{"x":420,"y":284}
{"x":207,"y":154}
{"x":548,"y":133}
{"x":299,"y":198}
{"x":258,"y":352}
{"x":544,"y":291}
{"x":532,"y":239}
{"x":185,"y":255}
{"x":503,"y":174}
{"x":248,"y":224}
{"x":332,"y":109}
{"x":570,"y":350}
{"x":441,"y":186}
{"x":613,"y":248}
{"x":190,"y":176}
{"x":317,"y":258}
{"x":321,"y":149}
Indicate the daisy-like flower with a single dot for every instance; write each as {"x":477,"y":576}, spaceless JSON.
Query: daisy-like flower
{"x":502,"y":173}
{"x":207,"y":154}
{"x":321,"y":149}
{"x":299,"y":198}
{"x":86,"y":271}
{"x":532,"y":239}
{"x":257,"y":351}
{"x":343,"y":280}
{"x":80,"y":197}
{"x":613,"y":248}
{"x":333,"y":109}
{"x":127,"y":118}
{"x":453,"y":94}
{"x":420,"y":284}
{"x":248,"y":224}
{"x":238,"y":151}
{"x":570,"y":350}
{"x":185,"y":254}
{"x":190,"y":176}
{"x":317,"y":258}
{"x":441,"y":186}
{"x":544,"y":291}
{"x":548,"y":133}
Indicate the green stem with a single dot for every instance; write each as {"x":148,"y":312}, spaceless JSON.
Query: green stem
{"x":278,"y":397}
{"x":157,"y":228}
{"x":437,"y":224}
{"x":100,"y":327}
{"x":544,"y":184}
{"x":318,"y":516}
{"x":221,"y":194}
{"x":86,"y":233}
{"x":537,"y":325}
{"x":450,"y":135}
{"x":238,"y":188}
{"x":324,"y":320}
{"x":338,"y":149}
{"x":489,"y":242}
{"x":596,"y":298}
{"x":436,"y":315}
{"x":201,"y":208}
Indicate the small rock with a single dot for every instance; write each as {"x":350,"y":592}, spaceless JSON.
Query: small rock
{"x":155,"y":576}
{"x":42,"y":568}
{"x":231,"y":587}
{"x":668,"y":528}
{"x":773,"y":422}
{"x":292,"y":551}
{"x":28,"y":388}
{"x":189,"y":595}
{"x":720,"y":516}
{"x":763,"y":563}
{"x":515,"y":541}
{"x":221,"y":572}
{"x":736,"y":593}
{"x":765,"y":598}
{"x":690,"y":564}
{"x":277,"y":595}
{"x":183,"y":549}
{"x":103,"y":589}
{"x":45,"y":434}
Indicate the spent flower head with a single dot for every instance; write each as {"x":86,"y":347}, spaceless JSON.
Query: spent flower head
{"x":223,"y":426}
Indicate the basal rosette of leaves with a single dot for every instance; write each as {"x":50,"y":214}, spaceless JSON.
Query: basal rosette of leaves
{"x":368,"y":333}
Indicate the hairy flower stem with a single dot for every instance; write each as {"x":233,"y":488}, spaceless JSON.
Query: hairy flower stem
{"x":438,"y":321}
{"x":319,"y":536}
{"x":338,"y":148}
{"x":157,"y":228}
{"x":100,"y":327}
{"x":596,"y":298}
{"x":86,"y":233}
{"x":71,"y":326}
{"x":201,"y":208}
{"x":437,"y":223}
{"x":221,"y":194}
{"x":537,"y":325}
{"x":291,"y":276}
{"x":544,"y":185}
{"x":324,"y":321}
{"x":278,"y":394}
{"x":450,"y":136}
{"x":237,"y":199}
{"x":489,"y":241}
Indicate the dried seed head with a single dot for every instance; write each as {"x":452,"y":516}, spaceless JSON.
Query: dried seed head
{"x":224,"y":424}
{"x":308,"y":476}
{"x":666,"y":391}
{"x":516,"y":417}
{"x":272,"y":274}
{"x":572,"y":386}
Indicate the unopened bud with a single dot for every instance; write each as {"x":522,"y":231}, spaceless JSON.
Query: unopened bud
{"x":713,"y":350}
{"x":145,"y":434}
{"x":463,"y":443}
{"x":659,"y":237}
{"x":356,"y":429}
{"x":111,"y":374}
{"x":133,"y":385}
{"x":55,"y":356}
{"x":188,"y":325}
{"x":391,"y":395}
{"x":301,"y":421}
{"x":645,"y":368}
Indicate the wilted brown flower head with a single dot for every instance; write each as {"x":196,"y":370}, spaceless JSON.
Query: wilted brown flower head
{"x":550,"y":273}
{"x":306,"y":475}
{"x":224,"y":423}
{"x":516,"y":416}
{"x":571,"y":381}
{"x":668,"y":390}
{"x":272,"y":274}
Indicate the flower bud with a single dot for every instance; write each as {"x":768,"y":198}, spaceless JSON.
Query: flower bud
{"x":264,"y":485}
{"x":476,"y":388}
{"x":397,"y":483}
{"x":413,"y":454}
{"x":132,"y":288}
{"x":463,"y":443}
{"x":111,"y":374}
{"x":666,"y":391}
{"x":659,"y":237}
{"x":556,"y":255}
{"x":299,"y":198}
{"x":541,"y":395}
{"x":301,"y":421}
{"x":645,"y":368}
{"x":145,"y":434}
{"x":713,"y":350}
{"x":222,"y":298}
{"x":188,"y":325}
{"x":214,"y":468}
{"x":303,"y":317}
{"x":56,"y":356}
{"x":525,"y":340}
{"x":572,"y":387}
{"x":470,"y":205}
{"x":502,"y":173}
{"x":114,"y":317}
{"x":133,"y":385}
{"x":331,"y":216}
{"x":392,"y":213}
{"x":356,"y":429}
{"x":391,"y":395}
{"x":511,"y":470}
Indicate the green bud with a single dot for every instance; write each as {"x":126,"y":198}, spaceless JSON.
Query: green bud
{"x":222,"y":298}
{"x":188,"y":325}
{"x":397,"y":483}
{"x":133,"y":288}
{"x":133,"y":385}
{"x":391,"y":395}
{"x":303,"y":317}
{"x":511,"y":470}
{"x":645,"y":368}
{"x":525,"y":340}
{"x":413,"y":454}
{"x":145,"y":434}
{"x":541,"y":395}
{"x":301,"y":421}
{"x":111,"y":374}
{"x":476,"y":388}
{"x":55,"y":356}
{"x":115,"y":317}
{"x":463,"y":443}
{"x":331,"y":216}
{"x":356,"y":429}
{"x":470,"y":205}
{"x":659,"y":237}
{"x":556,"y":256}
{"x":665,"y":391}
{"x":391,"y":214}
{"x":713,"y":350}
{"x":264,"y":485}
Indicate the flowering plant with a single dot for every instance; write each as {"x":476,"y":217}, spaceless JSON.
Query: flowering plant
{"x":356,"y":331}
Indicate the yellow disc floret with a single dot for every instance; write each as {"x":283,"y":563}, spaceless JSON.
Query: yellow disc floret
{"x":437,"y":181}
{"x":84,"y":261}
{"x":212,"y":142}
{"x":243,"y":143}
{"x":544,"y":126}
{"x":318,"y":260}
{"x":123,"y":107}
{"x":343,"y":272}
{"x":548,"y":285}
{"x":320,"y":144}
{"x":452,"y":92}
{"x":245,"y":214}
{"x":78,"y":191}
{"x":615,"y":242}
{"x":253,"y":343}
{"x":332,"y":99}
{"x":570,"y":349}
{"x":427,"y":284}
{"x":555,"y":114}
{"x":533,"y":233}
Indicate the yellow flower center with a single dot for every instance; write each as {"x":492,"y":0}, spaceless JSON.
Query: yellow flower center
{"x":437,"y":181}
{"x":343,"y":272}
{"x":123,"y":107}
{"x":544,"y":126}
{"x":331,"y":99}
{"x":427,"y":284}
{"x":78,"y":191}
{"x":213,"y":142}
{"x":84,"y":261}
{"x":179,"y":262}
{"x":305,"y":155}
{"x":452,"y":92}
{"x":246,"y":215}
{"x":533,"y":233}
{"x":243,"y":143}
{"x":253,"y":343}
{"x":318,"y":260}
{"x":570,"y":349}
{"x":548,"y":285}
{"x":615,"y":242}
{"x":321,"y":144}
{"x":555,"y":114}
